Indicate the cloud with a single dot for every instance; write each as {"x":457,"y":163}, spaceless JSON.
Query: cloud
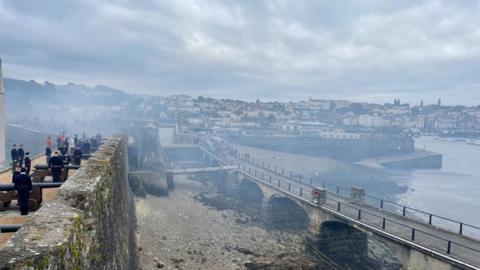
{"x":279,"y":49}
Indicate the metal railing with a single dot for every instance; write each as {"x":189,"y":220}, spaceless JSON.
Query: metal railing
{"x":425,"y":217}
{"x":409,"y":233}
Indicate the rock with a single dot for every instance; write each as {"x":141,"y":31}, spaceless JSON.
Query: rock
{"x":158,"y":263}
{"x":258,"y":265}
{"x":245,"y":251}
{"x":177,"y":261}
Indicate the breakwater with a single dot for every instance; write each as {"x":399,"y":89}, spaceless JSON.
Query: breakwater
{"x":340,"y":148}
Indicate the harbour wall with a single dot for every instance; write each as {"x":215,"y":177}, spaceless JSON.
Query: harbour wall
{"x":346,"y":149}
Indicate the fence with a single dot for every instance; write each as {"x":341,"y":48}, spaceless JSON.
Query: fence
{"x":425,"y":217}
{"x":426,"y":239}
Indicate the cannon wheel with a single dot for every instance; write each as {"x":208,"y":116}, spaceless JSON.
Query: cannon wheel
{"x":32,"y":205}
{"x":6,"y":198}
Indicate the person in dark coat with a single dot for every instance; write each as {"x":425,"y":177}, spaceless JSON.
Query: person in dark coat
{"x":77,"y":156}
{"x":56,"y":166}
{"x":28,"y":162}
{"x":14,"y":155}
{"x":75,"y":140}
{"x":23,"y":185}
{"x":59,"y":141}
{"x":16,"y":173}
{"x":67,"y":146}
{"x":86,"y":147}
{"x":20,"y":155}
{"x":66,"y":161}
{"x":48,"y":153}
{"x":63,"y":149}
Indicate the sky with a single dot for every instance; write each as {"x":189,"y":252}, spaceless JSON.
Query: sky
{"x":370,"y":51}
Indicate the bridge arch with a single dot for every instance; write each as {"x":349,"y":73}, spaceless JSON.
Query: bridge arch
{"x":284,"y":213}
{"x":249,"y":191}
{"x":344,"y":244}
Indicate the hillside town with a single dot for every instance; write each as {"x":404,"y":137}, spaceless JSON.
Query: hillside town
{"x":326,"y":115}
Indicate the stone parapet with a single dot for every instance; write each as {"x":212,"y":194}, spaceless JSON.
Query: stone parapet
{"x":90,"y":225}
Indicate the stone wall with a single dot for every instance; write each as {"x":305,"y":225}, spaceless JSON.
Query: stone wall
{"x":90,"y":225}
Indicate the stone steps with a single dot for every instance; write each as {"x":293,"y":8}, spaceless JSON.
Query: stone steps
{"x":136,"y":185}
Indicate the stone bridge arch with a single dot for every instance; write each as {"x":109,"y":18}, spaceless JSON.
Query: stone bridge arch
{"x":250,"y":191}
{"x":344,"y":244}
{"x":284,"y":213}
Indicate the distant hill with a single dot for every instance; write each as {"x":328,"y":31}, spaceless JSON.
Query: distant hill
{"x":26,"y":99}
{"x":20,"y":93}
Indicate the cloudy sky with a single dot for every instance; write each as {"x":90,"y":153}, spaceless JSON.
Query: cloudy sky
{"x":367,"y":50}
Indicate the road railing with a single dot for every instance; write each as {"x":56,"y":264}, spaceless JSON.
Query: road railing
{"x":393,"y":226}
{"x":425,"y":217}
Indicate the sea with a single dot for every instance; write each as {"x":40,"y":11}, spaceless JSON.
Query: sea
{"x":454,"y":190}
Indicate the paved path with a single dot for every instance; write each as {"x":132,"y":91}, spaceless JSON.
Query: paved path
{"x":416,"y":233}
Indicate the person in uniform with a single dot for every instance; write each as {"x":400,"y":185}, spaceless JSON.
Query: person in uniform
{"x":27,"y":162}
{"x":75,"y":140}
{"x":63,"y":149}
{"x":14,"y":156}
{"x":23,"y":185}
{"x":48,"y":153}
{"x":66,"y":161}
{"x":20,"y":155}
{"x":77,"y":156}
{"x":16,"y":173}
{"x":56,"y":165}
{"x":86,"y":147}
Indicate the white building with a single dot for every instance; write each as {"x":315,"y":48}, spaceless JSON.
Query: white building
{"x":2,"y":117}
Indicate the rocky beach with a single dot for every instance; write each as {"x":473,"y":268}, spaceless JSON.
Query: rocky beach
{"x":185,"y":231}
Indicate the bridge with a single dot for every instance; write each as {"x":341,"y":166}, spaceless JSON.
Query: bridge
{"x":421,"y":240}
{"x":201,"y":170}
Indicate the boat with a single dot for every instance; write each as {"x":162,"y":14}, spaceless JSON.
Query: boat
{"x":473,"y":142}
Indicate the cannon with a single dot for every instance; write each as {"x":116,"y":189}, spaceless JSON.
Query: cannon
{"x":41,"y":171}
{"x":8,"y":193}
{"x":9,"y":228}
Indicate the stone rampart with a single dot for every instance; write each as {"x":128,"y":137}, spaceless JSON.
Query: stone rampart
{"x":90,"y":225}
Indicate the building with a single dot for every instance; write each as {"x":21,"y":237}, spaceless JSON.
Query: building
{"x":2,"y":117}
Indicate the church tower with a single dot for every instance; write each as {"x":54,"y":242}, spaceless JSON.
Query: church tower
{"x":2,"y":117}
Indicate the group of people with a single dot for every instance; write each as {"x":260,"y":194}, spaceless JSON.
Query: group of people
{"x":64,"y":155}
{"x":20,"y":158}
{"x":56,"y":160}
{"x":21,"y":165}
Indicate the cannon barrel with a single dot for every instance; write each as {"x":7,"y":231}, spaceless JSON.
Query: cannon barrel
{"x":8,"y":187}
{"x":8,"y":228}
{"x":45,"y":167}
